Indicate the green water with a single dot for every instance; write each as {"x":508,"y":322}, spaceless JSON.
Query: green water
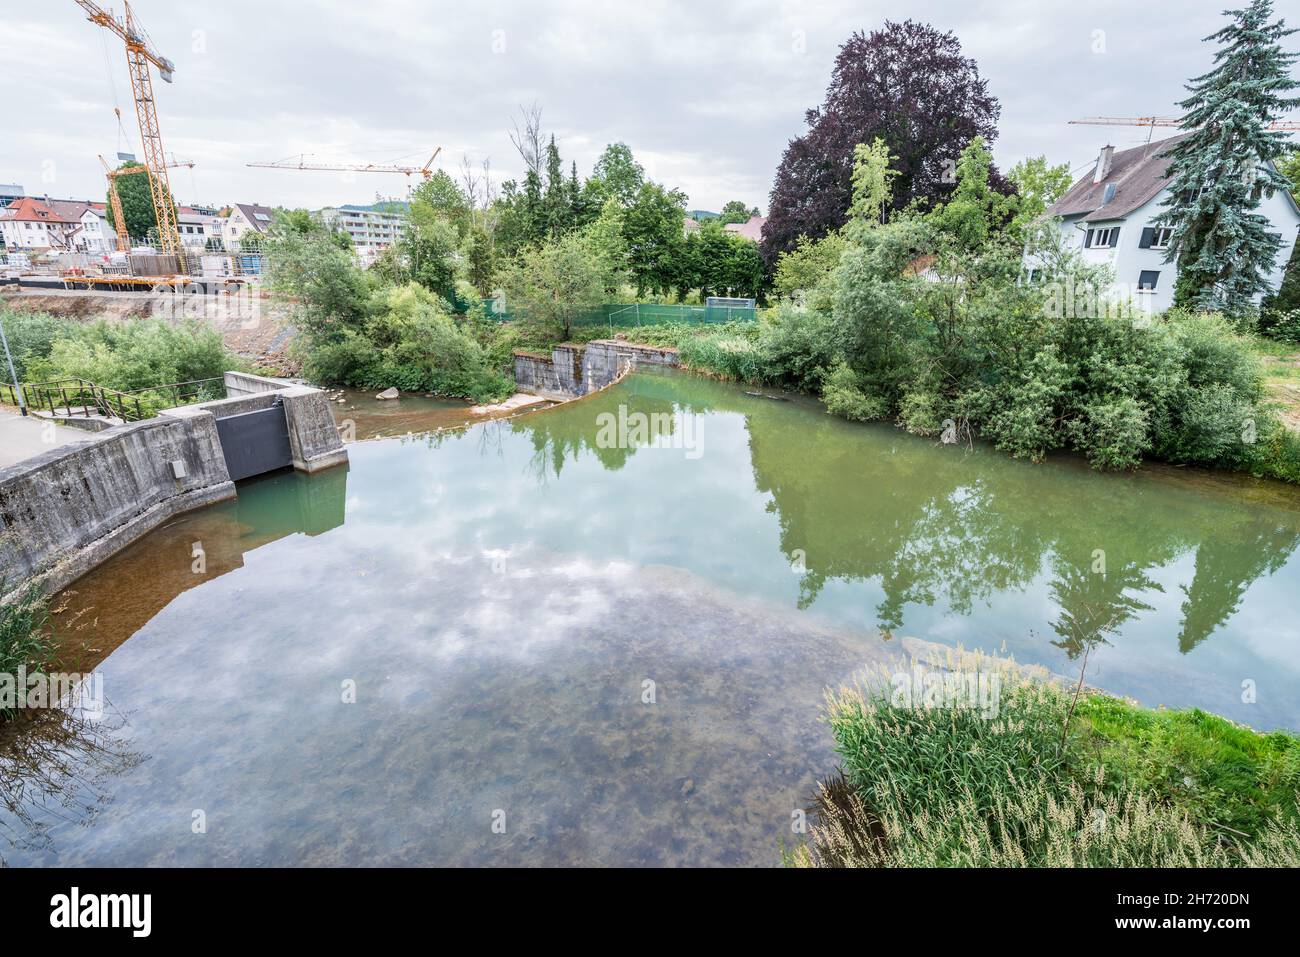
{"x":619,"y":654}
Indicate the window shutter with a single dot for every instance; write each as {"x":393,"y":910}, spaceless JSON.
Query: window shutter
{"x":1114,"y":237}
{"x":1148,"y":237}
{"x":1087,"y":239}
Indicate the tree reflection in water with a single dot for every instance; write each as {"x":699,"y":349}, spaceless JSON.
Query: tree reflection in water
{"x":55,"y":768}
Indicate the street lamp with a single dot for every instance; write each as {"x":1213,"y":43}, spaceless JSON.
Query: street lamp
{"x":18,"y":389}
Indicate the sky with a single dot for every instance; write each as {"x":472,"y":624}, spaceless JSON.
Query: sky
{"x":707,"y":94}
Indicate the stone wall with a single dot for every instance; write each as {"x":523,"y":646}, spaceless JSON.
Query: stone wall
{"x":572,"y":370}
{"x":68,"y":509}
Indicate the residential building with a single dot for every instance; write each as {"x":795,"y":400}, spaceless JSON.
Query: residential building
{"x":243,"y":218}
{"x":10,"y":192}
{"x":198,"y":226}
{"x":90,"y":237}
{"x":28,"y":224}
{"x":373,"y":228}
{"x":1108,"y":216}
{"x":690,"y":225}
{"x":751,"y":229}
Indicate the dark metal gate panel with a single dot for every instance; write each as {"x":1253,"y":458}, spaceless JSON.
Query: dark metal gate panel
{"x":255,"y":442}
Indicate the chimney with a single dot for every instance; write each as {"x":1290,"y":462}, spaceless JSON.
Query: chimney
{"x":1103,"y":164}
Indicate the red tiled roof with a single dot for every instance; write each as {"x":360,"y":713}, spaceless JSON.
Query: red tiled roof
{"x":29,"y":210}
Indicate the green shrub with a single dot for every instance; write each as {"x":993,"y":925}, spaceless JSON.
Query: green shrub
{"x":136,"y":354}
{"x":1112,"y":433}
{"x":845,"y":397}
{"x":410,"y":341}
{"x":31,"y":335}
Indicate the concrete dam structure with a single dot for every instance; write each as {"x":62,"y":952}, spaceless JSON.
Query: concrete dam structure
{"x":66,"y":510}
{"x":573,"y":370}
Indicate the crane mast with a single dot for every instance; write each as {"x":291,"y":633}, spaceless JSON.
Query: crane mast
{"x":140,"y":56}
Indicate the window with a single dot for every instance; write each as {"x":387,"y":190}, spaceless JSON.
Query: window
{"x":1160,"y":240}
{"x":1105,"y":237}
{"x":1147,"y":280}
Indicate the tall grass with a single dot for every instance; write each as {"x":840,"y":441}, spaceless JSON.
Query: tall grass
{"x":23,"y":642}
{"x":945,"y":786}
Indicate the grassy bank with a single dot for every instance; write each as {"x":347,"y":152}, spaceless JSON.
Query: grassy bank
{"x":1048,"y":779}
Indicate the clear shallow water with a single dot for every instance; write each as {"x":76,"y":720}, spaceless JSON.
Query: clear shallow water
{"x":498,"y":598}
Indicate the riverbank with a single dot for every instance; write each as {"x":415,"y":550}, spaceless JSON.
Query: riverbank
{"x":972,"y":761}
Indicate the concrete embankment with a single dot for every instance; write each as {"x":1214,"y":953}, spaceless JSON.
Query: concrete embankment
{"x":68,"y":509}
{"x":572,"y":370}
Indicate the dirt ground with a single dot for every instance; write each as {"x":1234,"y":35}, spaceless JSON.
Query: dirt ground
{"x":253,"y":327}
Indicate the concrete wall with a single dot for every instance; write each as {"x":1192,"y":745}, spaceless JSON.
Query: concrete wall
{"x":245,"y":383}
{"x":571,"y":371}
{"x":66,"y":510}
{"x":313,"y":436}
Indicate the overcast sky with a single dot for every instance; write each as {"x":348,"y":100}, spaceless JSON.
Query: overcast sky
{"x":705,"y":94}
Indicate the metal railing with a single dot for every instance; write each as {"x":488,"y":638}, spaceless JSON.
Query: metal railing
{"x":63,"y":398}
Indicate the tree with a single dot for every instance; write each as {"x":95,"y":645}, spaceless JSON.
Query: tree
{"x":976,"y":212}
{"x":549,"y":284}
{"x":616,"y":175}
{"x":441,"y":195}
{"x":907,"y":84}
{"x":736,"y":212}
{"x":801,"y":269}
{"x":137,"y":202}
{"x":652,"y":229}
{"x":1038,"y":186}
{"x":873,"y":181}
{"x":557,"y":210}
{"x":1223,"y":166}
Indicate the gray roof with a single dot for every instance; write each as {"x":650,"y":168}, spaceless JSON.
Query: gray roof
{"x":251,"y":212}
{"x":1137,"y":174}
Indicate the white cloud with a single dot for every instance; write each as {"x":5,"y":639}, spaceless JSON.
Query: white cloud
{"x":707,"y":95}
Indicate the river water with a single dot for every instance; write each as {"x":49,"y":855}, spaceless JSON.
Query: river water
{"x":602,"y":633}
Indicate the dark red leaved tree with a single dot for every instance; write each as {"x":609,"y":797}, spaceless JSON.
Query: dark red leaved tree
{"x":907,"y":83}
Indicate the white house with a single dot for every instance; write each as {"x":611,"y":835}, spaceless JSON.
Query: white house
{"x":27,"y":224}
{"x":1108,"y":214}
{"x":93,"y":234}
{"x":198,"y":227}
{"x":243,"y":218}
{"x":372,"y":230}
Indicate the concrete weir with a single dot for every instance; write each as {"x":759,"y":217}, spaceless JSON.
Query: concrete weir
{"x":572,"y":370}
{"x":66,"y":510}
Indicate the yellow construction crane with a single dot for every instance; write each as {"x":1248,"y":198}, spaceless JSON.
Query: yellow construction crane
{"x":425,"y":171}
{"x":1154,"y":121}
{"x":119,"y":218}
{"x":140,"y":54}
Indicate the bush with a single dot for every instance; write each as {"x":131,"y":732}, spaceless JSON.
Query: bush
{"x":409,"y":341}
{"x":137,"y":354}
{"x":844,"y":396}
{"x":31,"y":335}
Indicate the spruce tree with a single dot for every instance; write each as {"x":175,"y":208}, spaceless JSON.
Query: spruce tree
{"x":1220,"y":171}
{"x":556,"y":201}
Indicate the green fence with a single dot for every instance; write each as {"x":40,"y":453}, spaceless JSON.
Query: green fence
{"x":623,"y":316}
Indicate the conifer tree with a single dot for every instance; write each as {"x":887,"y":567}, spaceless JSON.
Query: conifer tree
{"x":1219,"y":173}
